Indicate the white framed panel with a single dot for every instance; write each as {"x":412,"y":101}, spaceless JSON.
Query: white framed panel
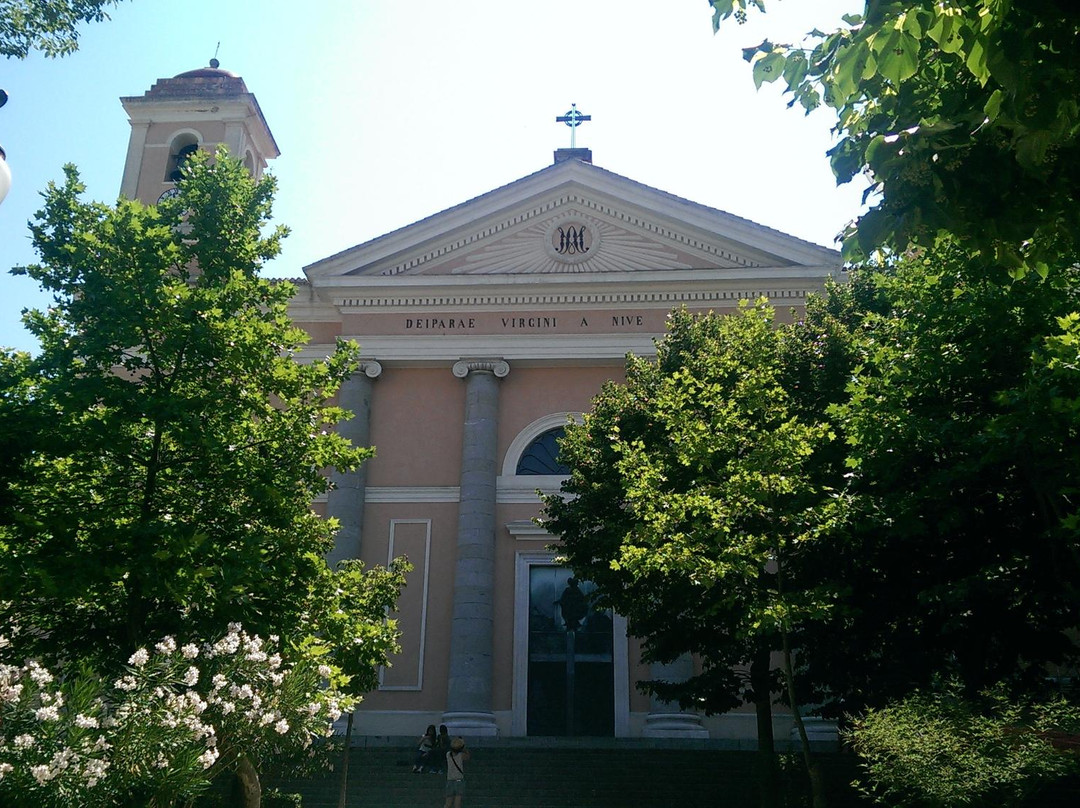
{"x":410,"y":537}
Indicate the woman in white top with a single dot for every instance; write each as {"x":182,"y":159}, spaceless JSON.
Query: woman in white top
{"x":456,"y":759}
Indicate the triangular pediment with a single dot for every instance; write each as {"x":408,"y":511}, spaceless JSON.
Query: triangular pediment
{"x":573,"y":234}
{"x":572,"y":218}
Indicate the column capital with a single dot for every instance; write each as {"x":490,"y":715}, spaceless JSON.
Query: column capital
{"x":370,"y":368}
{"x":464,"y":367}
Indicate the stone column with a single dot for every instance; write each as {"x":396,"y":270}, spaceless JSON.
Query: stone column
{"x":468,"y":698}
{"x":667,"y":719}
{"x":346,"y":499}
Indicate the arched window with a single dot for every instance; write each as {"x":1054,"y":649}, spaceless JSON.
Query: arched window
{"x":542,"y":455}
{"x":182,"y":147}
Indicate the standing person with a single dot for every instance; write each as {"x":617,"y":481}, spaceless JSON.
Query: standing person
{"x":442,"y":747}
{"x":456,"y":759}
{"x":425,"y":750}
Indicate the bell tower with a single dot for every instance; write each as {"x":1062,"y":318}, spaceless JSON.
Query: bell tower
{"x":199,"y":109}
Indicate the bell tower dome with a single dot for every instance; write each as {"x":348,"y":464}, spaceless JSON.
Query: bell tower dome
{"x":198,"y":109}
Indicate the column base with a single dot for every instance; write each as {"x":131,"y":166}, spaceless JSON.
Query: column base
{"x":471,"y":724}
{"x":673,"y":725}
{"x":818,"y":730}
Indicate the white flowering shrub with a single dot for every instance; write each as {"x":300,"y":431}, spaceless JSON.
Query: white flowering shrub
{"x":158,"y":733}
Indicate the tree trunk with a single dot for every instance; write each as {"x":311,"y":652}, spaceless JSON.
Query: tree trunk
{"x":250,"y":787}
{"x":813,"y":770}
{"x":345,"y":763}
{"x":767,"y":770}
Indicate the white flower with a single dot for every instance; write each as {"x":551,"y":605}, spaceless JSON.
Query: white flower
{"x":86,"y":722}
{"x":126,"y":683}
{"x":229,"y":644}
{"x":4,"y":769}
{"x":208,"y":757}
{"x":191,"y":677}
{"x":274,"y":662}
{"x":219,"y":681}
{"x":139,"y":658}
{"x":42,"y":774}
{"x":166,"y":646}
{"x":50,"y":713}
{"x":227,"y":707}
{"x":281,"y":727}
{"x":190,"y":651}
{"x":325,"y":672}
{"x":41,"y":676}
{"x":267,"y":718}
{"x":196,"y":703}
{"x":62,"y":759}
{"x":24,"y":741}
{"x":276,"y":679}
{"x":93,"y":771}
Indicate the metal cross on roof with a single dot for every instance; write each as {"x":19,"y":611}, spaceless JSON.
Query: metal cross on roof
{"x":573,"y":119}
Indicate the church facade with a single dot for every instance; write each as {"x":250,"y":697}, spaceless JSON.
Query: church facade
{"x":484,"y":328}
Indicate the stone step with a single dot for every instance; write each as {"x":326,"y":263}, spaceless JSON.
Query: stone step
{"x":539,"y":777}
{"x":548,"y":778}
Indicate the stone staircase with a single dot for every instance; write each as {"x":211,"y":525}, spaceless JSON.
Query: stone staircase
{"x":547,"y":773}
{"x":516,"y":774}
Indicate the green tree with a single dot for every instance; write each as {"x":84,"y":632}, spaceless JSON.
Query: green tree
{"x":693,"y":491}
{"x":176,"y":443}
{"x":963,"y":114}
{"x":940,"y":749}
{"x":50,"y":26}
{"x":166,"y":444}
{"x":963,"y":432}
{"x":962,"y":420}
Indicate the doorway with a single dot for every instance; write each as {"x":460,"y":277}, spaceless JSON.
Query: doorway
{"x":570,"y":657}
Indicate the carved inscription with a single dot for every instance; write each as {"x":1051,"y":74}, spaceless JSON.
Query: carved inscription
{"x":440,"y":323}
{"x":527,"y":322}
{"x":530,"y":322}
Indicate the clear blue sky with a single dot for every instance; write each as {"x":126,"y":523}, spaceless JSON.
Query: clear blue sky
{"x":387,"y":111}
